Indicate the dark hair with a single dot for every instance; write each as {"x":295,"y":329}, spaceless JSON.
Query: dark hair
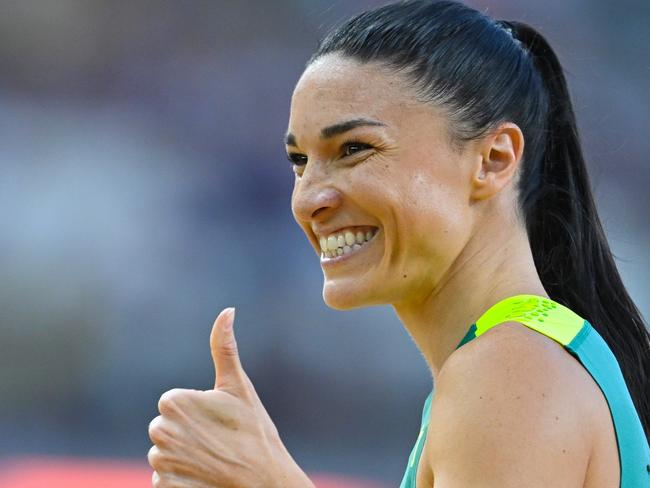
{"x":482,"y":72}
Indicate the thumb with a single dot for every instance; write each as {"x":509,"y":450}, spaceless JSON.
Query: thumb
{"x":229,"y":374}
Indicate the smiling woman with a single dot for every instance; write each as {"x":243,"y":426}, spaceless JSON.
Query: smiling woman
{"x":438,"y":169}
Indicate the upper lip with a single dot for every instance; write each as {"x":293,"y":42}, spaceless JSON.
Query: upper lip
{"x":326,"y":232}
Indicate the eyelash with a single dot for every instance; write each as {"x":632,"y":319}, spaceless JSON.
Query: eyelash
{"x":300,"y":159}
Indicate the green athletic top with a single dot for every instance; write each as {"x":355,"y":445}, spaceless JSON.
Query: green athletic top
{"x":579,"y":337}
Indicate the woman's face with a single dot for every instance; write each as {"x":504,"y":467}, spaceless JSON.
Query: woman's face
{"x":373,"y":162}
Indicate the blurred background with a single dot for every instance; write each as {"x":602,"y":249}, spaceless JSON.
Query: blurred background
{"x":144,"y":187}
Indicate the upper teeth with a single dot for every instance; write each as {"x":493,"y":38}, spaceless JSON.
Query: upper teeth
{"x":345,"y":241}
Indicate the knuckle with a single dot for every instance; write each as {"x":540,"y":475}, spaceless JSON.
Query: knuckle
{"x":228,"y":348}
{"x":171,"y":401}
{"x":166,"y":480}
{"x":155,"y":458}
{"x":158,"y":431}
{"x":227,"y":352}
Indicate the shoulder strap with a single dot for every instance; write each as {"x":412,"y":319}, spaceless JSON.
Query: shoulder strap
{"x":539,"y":313}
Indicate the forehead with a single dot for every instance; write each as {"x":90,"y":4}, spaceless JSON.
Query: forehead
{"x":335,"y":87}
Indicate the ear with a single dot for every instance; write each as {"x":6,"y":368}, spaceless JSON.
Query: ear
{"x":500,"y":155}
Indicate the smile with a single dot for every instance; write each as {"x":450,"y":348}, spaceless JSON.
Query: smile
{"x":347,"y":241}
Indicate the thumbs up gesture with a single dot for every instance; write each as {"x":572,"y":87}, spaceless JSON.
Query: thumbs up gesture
{"x":221,"y":438}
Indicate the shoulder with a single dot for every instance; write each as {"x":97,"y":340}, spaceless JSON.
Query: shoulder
{"x":510,"y":410}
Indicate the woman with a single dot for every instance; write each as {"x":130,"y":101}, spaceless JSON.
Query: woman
{"x":438,"y":169}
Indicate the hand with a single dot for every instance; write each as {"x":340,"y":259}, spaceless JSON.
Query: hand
{"x":220,"y":438}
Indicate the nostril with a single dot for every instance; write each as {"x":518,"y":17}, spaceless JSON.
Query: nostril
{"x":316,"y":212}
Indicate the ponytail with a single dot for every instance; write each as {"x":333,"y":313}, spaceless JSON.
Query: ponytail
{"x":569,"y":246}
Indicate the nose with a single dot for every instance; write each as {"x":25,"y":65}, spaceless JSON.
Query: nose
{"x":314,"y":201}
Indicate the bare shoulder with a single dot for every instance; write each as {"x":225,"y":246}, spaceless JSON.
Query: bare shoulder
{"x":511,"y":408}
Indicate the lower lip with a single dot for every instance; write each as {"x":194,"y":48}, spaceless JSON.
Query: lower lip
{"x":326,"y":262}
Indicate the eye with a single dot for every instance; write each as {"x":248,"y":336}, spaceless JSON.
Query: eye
{"x":297,"y":159}
{"x":350,"y":148}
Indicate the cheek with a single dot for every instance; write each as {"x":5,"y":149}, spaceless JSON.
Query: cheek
{"x":409,"y":200}
{"x":431,"y":219}
{"x":427,"y":197}
{"x":371,"y":184}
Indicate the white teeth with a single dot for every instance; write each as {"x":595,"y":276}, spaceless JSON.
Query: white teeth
{"x":323,"y":244}
{"x":332,"y":243}
{"x":337,"y":245}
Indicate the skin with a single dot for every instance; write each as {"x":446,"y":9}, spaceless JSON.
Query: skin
{"x":449,"y":246}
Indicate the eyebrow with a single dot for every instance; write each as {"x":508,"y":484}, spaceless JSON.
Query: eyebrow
{"x":336,"y":129}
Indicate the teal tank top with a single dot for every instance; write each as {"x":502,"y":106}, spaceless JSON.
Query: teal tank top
{"x":578,"y":337}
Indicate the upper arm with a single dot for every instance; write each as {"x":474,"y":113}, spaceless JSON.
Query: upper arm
{"x":505,"y":414}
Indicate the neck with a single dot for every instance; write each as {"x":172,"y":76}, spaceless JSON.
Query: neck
{"x":481,"y":276}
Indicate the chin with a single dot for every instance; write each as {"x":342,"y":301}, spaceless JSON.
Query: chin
{"x":341,"y":297}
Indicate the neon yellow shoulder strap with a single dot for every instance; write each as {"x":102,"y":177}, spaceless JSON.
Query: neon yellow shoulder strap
{"x":540,"y":313}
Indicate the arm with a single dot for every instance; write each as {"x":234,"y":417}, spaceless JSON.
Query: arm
{"x":507,"y":414}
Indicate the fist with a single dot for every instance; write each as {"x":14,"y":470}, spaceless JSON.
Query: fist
{"x":221,"y":438}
